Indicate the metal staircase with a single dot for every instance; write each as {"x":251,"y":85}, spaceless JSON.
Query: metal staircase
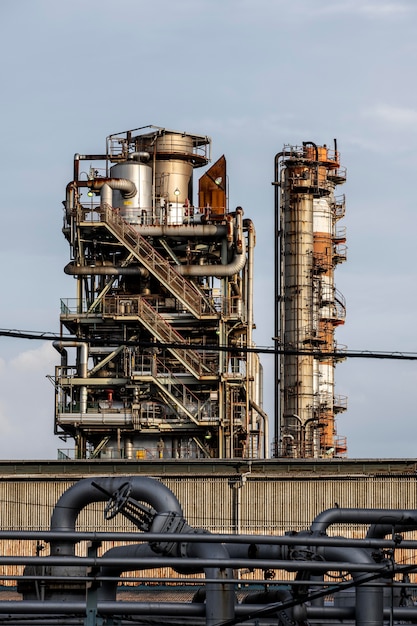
{"x":179,"y":286}
{"x":140,"y":309}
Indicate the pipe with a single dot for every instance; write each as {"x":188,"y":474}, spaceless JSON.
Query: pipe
{"x":369,"y":600}
{"x":108,"y":588}
{"x":220,"y":271}
{"x":126,"y":186}
{"x":279,"y":595}
{"x":239,"y":230}
{"x":81,"y":494}
{"x":83,"y":360}
{"x":405,"y":517}
{"x":311,"y":143}
{"x":139,"y":156}
{"x":220,"y":596}
{"x":264,"y":417}
{"x":250,"y":373}
{"x":72,"y":269}
{"x":385,"y":527}
{"x":182,"y":230}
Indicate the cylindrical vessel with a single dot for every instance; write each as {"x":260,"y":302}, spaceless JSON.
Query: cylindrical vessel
{"x":173,"y":174}
{"x":136,"y":210}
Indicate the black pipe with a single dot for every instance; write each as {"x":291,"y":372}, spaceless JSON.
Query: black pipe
{"x":72,"y":501}
{"x":311,"y":143}
{"x":391,"y":517}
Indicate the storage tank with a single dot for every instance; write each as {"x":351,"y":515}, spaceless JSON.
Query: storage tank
{"x":136,"y":209}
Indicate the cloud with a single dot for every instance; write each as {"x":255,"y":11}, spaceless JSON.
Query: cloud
{"x":367,"y":9}
{"x":34,"y":360}
{"x":26,"y":405}
{"x":402,"y":118}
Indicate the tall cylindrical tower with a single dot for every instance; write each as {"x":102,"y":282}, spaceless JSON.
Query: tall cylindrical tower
{"x":308,"y":306}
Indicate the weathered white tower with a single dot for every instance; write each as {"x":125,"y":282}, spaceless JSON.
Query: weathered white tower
{"x":309,"y":245}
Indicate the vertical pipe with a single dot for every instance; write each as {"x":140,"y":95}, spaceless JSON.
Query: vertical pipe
{"x":277,"y":308}
{"x":82,"y":357}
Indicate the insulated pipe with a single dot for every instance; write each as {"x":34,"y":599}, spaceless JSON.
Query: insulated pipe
{"x":127,"y":187}
{"x":70,"y":196}
{"x":239,"y":230}
{"x":139,"y":156}
{"x":72,"y":269}
{"x":81,"y":494}
{"x":264,"y":417}
{"x":106,"y":195}
{"x":83,"y":360}
{"x":182,"y":230}
{"x":364,"y":516}
{"x":221,"y":271}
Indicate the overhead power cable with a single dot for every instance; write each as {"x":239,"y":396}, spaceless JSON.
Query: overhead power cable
{"x":284,"y":350}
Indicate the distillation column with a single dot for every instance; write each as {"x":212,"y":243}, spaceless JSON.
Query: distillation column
{"x":308,"y":307}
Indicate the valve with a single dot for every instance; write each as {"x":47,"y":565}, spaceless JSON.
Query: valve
{"x":145,"y":517}
{"x":140,"y":515}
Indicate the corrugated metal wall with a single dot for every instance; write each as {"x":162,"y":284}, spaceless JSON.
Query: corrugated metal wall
{"x":261,"y":505}
{"x":267,"y":505}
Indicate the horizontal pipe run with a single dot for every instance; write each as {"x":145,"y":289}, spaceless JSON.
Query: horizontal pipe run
{"x":105,"y":608}
{"x":22,"y":607}
{"x":250,"y":540}
{"x":72,"y":269}
{"x":393,"y":517}
{"x":182,"y":230}
{"x":147,"y":563}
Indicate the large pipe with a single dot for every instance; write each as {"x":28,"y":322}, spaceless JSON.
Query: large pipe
{"x":182,"y":230}
{"x":108,"y":589}
{"x":369,"y":600}
{"x":126,"y":186}
{"x":385,"y":517}
{"x":220,"y":271}
{"x":81,"y":494}
{"x":220,"y":597}
{"x":72,"y":269}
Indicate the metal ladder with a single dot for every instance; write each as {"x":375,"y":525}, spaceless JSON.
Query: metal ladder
{"x":183,"y":289}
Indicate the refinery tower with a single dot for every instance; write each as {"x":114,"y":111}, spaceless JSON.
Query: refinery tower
{"x":154,"y":350}
{"x":309,"y":244}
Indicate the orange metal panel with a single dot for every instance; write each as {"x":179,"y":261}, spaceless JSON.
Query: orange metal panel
{"x":212,"y":188}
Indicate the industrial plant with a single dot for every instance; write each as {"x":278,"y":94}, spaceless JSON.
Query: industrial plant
{"x":162,"y":317}
{"x":169,"y":501}
{"x":160,"y":360}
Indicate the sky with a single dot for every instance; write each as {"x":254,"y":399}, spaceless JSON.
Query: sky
{"x":253,"y":75}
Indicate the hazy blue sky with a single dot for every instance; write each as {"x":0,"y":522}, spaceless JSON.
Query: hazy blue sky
{"x":253,"y":75}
